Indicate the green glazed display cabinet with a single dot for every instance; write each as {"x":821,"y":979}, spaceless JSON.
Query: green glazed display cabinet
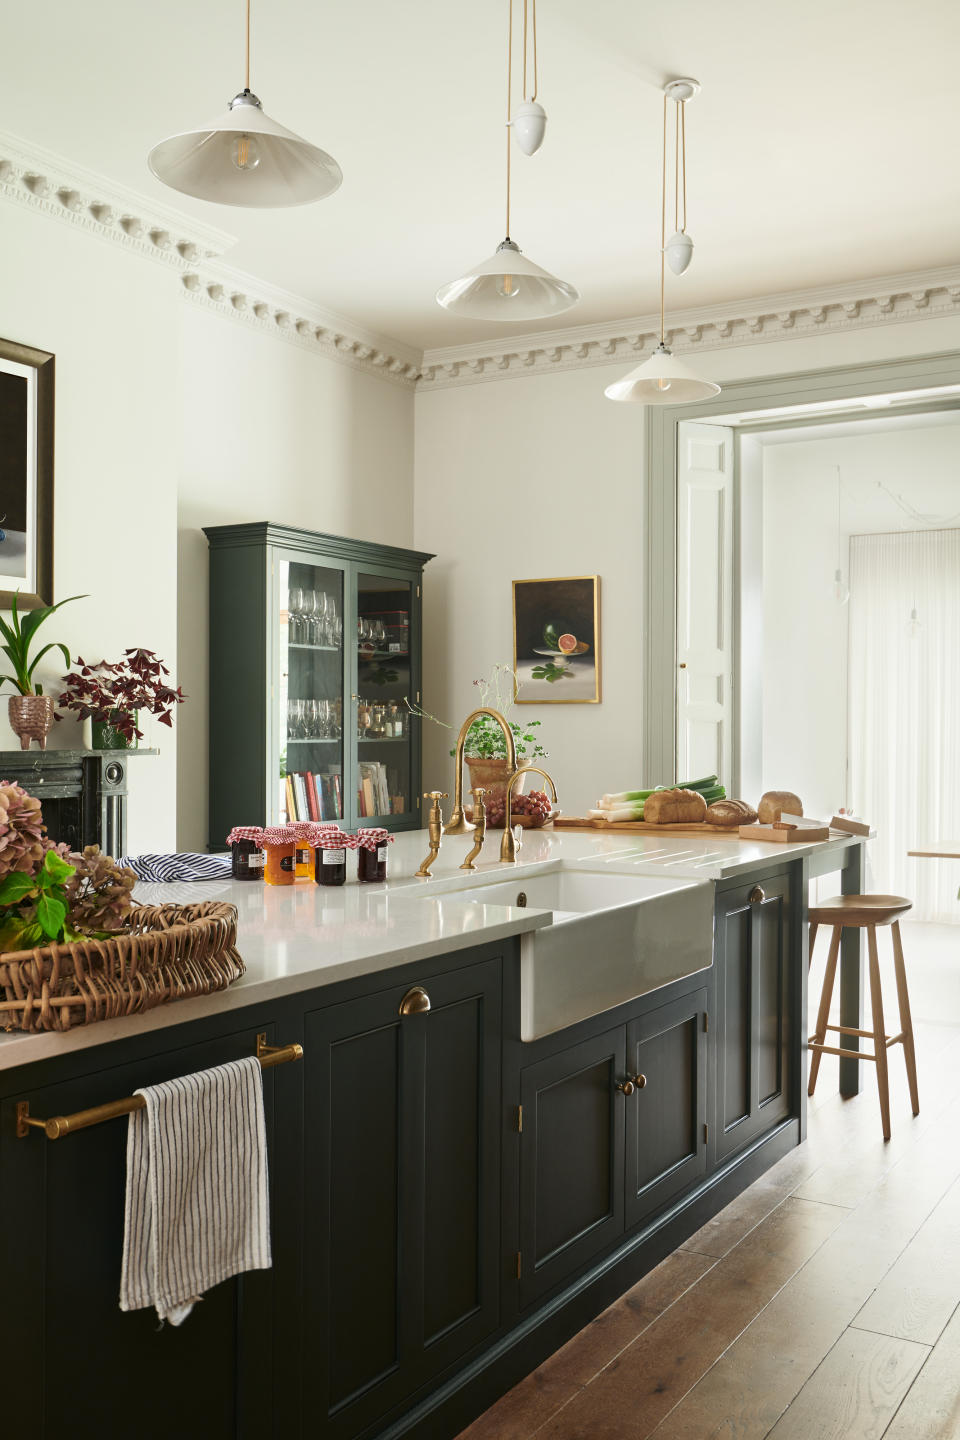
{"x":315,"y":646}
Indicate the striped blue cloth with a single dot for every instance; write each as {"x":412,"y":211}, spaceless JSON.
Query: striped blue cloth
{"x":197,"y":1205}
{"x":160,"y":868}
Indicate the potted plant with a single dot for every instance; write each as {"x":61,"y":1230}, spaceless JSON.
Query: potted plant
{"x":111,"y":696}
{"x":30,"y":711}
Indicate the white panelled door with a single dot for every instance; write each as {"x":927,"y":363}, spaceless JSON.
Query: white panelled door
{"x":705,"y":523}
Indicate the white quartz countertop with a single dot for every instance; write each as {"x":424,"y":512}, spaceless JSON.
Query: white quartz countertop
{"x":299,"y":937}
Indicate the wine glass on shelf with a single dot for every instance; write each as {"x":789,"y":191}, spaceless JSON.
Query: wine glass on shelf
{"x":295,"y":612}
{"x":323,"y":618}
{"x":378,"y":634}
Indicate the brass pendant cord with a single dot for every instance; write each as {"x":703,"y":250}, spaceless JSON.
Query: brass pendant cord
{"x":532,"y":4}
{"x":509,"y":91}
{"x":663,"y":224}
{"x":680,"y":167}
{"x":248,"y":45}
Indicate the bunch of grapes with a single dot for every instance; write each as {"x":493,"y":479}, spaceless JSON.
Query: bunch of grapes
{"x":536,"y":805}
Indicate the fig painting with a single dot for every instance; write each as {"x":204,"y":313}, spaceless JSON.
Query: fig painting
{"x":556,"y":640}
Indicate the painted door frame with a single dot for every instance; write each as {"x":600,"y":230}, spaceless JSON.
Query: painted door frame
{"x":660,"y":473}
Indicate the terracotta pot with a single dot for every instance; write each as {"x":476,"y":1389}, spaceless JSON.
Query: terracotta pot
{"x":492,"y":775}
{"x":31,"y":717}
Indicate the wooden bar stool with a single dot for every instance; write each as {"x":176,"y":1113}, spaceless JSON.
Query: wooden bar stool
{"x":865,"y":912}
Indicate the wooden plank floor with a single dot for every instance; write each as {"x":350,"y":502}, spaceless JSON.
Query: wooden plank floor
{"x":824,"y":1302}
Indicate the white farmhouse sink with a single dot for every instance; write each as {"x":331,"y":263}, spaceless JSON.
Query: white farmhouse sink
{"x":612,"y":938}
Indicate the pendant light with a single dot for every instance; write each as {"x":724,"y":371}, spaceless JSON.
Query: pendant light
{"x":663,"y":379}
{"x":508,"y":286}
{"x":245,"y":158}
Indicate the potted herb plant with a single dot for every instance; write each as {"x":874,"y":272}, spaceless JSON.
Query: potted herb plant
{"x":30,"y":711}
{"x":111,"y":696}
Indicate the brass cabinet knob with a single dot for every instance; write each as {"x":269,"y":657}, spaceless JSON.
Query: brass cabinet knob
{"x":415,"y":1002}
{"x":625,"y":1087}
{"x":640,"y":1081}
{"x":756,"y":896}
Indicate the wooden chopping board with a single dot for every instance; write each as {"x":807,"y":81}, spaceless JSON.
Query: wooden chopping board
{"x":572,"y":822}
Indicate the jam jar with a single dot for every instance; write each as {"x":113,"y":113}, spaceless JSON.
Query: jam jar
{"x":372,"y":855}
{"x":304,"y":832}
{"x":246,"y":855}
{"x":281,"y":848}
{"x":331,"y":857}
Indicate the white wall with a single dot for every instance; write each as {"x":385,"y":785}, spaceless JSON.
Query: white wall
{"x":170,"y":417}
{"x":540,"y":475}
{"x":110,"y":318}
{"x":272,"y":432}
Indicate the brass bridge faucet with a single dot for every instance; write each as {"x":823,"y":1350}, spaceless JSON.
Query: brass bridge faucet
{"x":479,"y":827}
{"x":435,"y":825}
{"x":508,"y":845}
{"x":458,"y":824}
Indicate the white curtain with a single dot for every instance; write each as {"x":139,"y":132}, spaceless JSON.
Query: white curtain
{"x":904,"y":710}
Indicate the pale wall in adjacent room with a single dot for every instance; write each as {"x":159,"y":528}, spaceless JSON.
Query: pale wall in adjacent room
{"x":272,"y":432}
{"x":108,"y":317}
{"x":540,"y":475}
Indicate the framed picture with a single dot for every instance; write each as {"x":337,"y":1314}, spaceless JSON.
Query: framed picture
{"x":26,"y":476}
{"x":556,"y":640}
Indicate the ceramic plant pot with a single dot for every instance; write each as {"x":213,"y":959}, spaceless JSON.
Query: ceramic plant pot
{"x":31,"y":717}
{"x":105,"y":736}
{"x":492,"y":775}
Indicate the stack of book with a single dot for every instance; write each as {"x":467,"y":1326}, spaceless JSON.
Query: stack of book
{"x":312,"y":795}
{"x":377,"y":790}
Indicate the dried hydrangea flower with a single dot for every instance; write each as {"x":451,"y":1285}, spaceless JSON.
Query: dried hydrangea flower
{"x":99,"y":894}
{"x":22,"y":844}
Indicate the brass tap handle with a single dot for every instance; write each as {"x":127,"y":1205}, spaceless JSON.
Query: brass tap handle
{"x":479,"y":827}
{"x":625,"y":1087}
{"x":435,"y":828}
{"x":640,"y":1081}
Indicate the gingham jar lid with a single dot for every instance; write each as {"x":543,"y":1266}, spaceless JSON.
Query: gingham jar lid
{"x":370,"y":838}
{"x":244,"y":832}
{"x":335,"y":840}
{"x":303,"y":829}
{"x":277,"y":835}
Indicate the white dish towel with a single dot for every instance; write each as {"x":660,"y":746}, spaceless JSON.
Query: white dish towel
{"x":197,"y":1207}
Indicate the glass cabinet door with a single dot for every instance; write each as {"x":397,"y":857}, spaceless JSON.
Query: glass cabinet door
{"x":310,"y":721}
{"x":387,"y":777}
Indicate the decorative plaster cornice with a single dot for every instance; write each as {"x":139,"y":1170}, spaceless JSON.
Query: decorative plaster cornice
{"x":238,"y":296}
{"x":891,"y":299}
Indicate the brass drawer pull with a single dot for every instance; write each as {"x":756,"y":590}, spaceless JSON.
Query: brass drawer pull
{"x":415,"y":1002}
{"x":756,"y":896}
{"x":640,"y":1081}
{"x":625,"y":1087}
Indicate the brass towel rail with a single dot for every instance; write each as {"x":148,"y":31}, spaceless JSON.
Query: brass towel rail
{"x":60,"y":1125}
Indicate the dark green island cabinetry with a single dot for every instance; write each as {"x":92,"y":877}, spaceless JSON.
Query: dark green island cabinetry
{"x":449,"y":1204}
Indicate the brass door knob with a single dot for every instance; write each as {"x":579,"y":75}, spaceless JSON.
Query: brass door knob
{"x":415,"y":1002}
{"x":640,"y":1081}
{"x":625,"y":1087}
{"x":756,"y":896}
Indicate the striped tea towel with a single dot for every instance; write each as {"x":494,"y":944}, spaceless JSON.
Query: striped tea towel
{"x":159,"y":868}
{"x":197,"y":1209}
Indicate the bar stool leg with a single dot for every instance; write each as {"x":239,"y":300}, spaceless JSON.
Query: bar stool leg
{"x":823,"y":1014}
{"x":906,"y":1020}
{"x":814,"y":927}
{"x":879,"y":1033}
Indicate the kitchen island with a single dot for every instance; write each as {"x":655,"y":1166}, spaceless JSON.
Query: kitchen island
{"x":450,"y":1200}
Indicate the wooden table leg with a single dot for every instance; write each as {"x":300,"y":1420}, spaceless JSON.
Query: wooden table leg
{"x":851,"y":975}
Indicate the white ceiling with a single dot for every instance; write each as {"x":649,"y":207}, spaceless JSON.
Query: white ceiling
{"x":820,"y":150}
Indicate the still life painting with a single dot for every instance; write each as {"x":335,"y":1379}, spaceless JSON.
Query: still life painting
{"x":556,"y":640}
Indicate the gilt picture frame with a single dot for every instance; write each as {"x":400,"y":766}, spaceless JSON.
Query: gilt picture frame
{"x":26,"y":475}
{"x":556,"y":640}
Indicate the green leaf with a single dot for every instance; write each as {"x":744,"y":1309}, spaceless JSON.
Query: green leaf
{"x":15,"y":887}
{"x":54,"y":645}
{"x":51,"y":914}
{"x":56,"y":867}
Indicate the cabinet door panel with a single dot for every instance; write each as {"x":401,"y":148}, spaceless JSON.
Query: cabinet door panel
{"x":737,"y":1003}
{"x":571,"y":1159}
{"x":770,"y":948}
{"x":666,"y":1149}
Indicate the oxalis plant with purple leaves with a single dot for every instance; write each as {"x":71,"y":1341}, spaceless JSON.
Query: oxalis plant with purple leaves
{"x":111,"y":694}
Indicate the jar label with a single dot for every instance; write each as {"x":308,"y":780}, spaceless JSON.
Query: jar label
{"x":303,"y":856}
{"x":334,"y":857}
{"x":255,"y":861}
{"x":287,"y":862}
{"x":381,"y":854}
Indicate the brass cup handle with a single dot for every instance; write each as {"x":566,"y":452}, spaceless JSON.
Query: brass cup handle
{"x":640,"y":1081}
{"x":415,"y":1002}
{"x":756,"y":896}
{"x":625,"y":1087}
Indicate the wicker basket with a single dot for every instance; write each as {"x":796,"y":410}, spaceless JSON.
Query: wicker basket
{"x":164,"y":953}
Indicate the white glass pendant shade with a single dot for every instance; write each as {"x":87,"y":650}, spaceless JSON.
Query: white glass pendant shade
{"x":661,"y":380}
{"x":245,"y":158}
{"x":529,"y":125}
{"x":508,"y":286}
{"x":679,"y":252}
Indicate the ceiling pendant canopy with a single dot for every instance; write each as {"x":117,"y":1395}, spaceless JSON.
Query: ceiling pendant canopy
{"x":244,"y":158}
{"x":662,"y":379}
{"x":508,"y":286}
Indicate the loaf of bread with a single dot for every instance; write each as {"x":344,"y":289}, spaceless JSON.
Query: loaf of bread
{"x":730,"y":812}
{"x":775,"y":802}
{"x":674,"y":807}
